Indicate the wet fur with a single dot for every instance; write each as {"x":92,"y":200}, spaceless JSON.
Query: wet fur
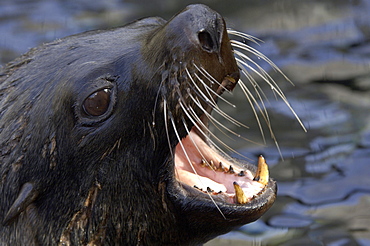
{"x":108,"y":179}
{"x":47,"y":121}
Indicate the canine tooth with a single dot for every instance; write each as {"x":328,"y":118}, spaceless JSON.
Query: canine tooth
{"x":227,"y":83}
{"x":241,"y":198}
{"x":262,"y":174}
{"x":231,"y":79}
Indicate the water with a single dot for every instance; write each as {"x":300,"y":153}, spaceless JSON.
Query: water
{"x":324,"y":48}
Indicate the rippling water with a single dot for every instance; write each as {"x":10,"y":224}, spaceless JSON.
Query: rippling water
{"x":324,"y":48}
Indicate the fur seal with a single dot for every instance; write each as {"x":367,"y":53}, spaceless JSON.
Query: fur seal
{"x":104,"y":138}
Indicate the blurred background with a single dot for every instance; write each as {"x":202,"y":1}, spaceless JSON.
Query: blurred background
{"x":322,"y":46}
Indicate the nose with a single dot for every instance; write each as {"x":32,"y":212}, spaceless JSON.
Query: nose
{"x":206,"y":29}
{"x":209,"y":39}
{"x":206,"y":26}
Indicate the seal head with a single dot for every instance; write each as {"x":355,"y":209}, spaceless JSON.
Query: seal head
{"x":102,"y":133}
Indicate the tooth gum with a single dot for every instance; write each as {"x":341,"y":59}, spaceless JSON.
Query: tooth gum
{"x":207,"y":153}
{"x":201,"y":175}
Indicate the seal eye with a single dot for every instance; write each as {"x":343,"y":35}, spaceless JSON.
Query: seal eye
{"x":97,"y":103}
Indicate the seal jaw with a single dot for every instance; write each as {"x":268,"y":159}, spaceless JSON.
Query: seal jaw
{"x":205,"y":214}
{"x":212,"y":206}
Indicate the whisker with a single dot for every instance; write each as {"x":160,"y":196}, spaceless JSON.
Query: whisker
{"x":166,"y":126}
{"x":258,"y":90}
{"x":191,"y":164}
{"x":198,"y":123}
{"x":245,"y":62}
{"x":215,"y":122}
{"x":244,"y":36}
{"x":261,"y":73}
{"x":274,"y":88}
{"x":245,"y":47}
{"x":181,"y":144}
{"x":195,"y":145}
{"x":199,"y":92}
{"x":269,"y":80}
{"x":216,"y":125}
{"x":211,"y":90}
{"x":221,"y":113}
{"x":210,"y":77}
{"x":157,"y":97}
{"x":245,"y":89}
{"x":214,"y":107}
{"x":252,"y":102}
{"x":264,"y":114}
{"x":205,"y":86}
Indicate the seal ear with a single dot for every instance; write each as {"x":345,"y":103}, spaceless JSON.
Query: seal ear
{"x":27,"y":195}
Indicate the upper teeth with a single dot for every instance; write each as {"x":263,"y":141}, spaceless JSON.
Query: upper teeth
{"x":261,"y":176}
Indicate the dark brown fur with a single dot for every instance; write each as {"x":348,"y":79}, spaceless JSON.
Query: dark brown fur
{"x":70,"y":178}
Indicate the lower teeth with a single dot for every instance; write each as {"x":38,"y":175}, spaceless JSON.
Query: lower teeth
{"x":262,"y":177}
{"x":241,"y":198}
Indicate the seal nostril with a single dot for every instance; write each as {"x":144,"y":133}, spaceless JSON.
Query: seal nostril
{"x":206,"y":41}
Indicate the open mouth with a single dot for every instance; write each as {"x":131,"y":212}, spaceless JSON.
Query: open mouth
{"x":205,"y":182}
{"x":199,"y":165}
